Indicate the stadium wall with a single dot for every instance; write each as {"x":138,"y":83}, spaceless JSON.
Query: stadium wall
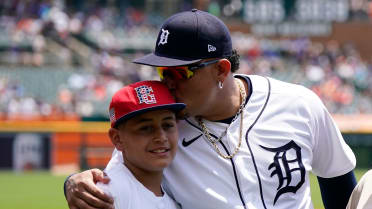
{"x":67,"y":146}
{"x":356,"y":33}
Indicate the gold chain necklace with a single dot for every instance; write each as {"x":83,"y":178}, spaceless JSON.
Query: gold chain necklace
{"x":214,"y":142}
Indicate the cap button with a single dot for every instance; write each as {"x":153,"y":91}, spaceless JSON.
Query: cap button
{"x":194,"y":10}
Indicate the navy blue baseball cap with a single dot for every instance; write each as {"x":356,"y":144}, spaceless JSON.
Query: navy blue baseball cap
{"x":188,"y":37}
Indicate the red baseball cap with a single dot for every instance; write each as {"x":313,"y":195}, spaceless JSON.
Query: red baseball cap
{"x":141,"y":97}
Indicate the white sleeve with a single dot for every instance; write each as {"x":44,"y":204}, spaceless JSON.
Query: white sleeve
{"x":118,"y":187}
{"x":332,"y":157}
{"x":107,"y":189}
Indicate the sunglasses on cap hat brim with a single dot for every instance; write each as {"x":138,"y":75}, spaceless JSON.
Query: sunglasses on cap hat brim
{"x":182,"y":72}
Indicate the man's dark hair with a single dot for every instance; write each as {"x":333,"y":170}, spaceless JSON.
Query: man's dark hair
{"x":234,"y":60}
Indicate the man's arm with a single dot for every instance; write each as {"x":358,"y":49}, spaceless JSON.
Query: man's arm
{"x":81,"y":191}
{"x":336,"y":191}
{"x":361,"y":197}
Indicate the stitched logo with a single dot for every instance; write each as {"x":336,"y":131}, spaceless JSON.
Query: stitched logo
{"x":187,"y":143}
{"x":163,"y":37}
{"x":288,"y":167}
{"x":211,"y":48}
{"x":144,"y":94}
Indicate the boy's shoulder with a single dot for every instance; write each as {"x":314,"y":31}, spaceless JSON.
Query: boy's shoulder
{"x":117,"y":172}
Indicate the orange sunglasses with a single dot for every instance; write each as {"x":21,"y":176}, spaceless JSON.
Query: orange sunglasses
{"x":182,"y":72}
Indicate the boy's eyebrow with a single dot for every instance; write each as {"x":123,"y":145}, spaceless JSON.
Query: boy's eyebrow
{"x":143,"y":120}
{"x":169,"y":118}
{"x":148,"y":119}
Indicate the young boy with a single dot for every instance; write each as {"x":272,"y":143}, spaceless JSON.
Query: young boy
{"x":144,"y":129}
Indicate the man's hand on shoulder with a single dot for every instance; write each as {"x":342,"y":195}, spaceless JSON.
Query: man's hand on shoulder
{"x":82,"y":192}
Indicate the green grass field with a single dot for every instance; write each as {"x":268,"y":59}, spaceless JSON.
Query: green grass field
{"x":36,"y":190}
{"x":41,"y":190}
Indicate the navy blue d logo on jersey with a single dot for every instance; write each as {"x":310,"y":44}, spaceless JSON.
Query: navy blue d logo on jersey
{"x":288,"y":167}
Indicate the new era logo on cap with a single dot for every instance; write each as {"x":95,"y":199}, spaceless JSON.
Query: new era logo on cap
{"x":139,"y":98}
{"x":211,"y":48}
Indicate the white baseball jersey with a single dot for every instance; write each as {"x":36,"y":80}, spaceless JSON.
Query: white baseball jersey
{"x":287,"y":132}
{"x":129,"y":193}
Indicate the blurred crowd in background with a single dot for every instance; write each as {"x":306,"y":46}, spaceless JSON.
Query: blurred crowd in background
{"x":61,"y":62}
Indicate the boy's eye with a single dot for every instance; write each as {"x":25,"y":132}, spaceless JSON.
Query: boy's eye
{"x":146,"y":128}
{"x":167,"y":126}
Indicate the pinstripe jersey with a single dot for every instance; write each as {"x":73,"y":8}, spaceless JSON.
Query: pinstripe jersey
{"x":287,"y":132}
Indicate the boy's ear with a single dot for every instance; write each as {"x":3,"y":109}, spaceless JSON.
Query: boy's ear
{"x":115,"y":138}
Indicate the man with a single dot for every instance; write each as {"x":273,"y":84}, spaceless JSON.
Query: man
{"x":247,"y":141}
{"x":361,"y":198}
{"x":144,"y":130}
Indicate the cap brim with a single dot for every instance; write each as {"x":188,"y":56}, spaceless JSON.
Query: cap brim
{"x":159,"y":61}
{"x":176,"y":107}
